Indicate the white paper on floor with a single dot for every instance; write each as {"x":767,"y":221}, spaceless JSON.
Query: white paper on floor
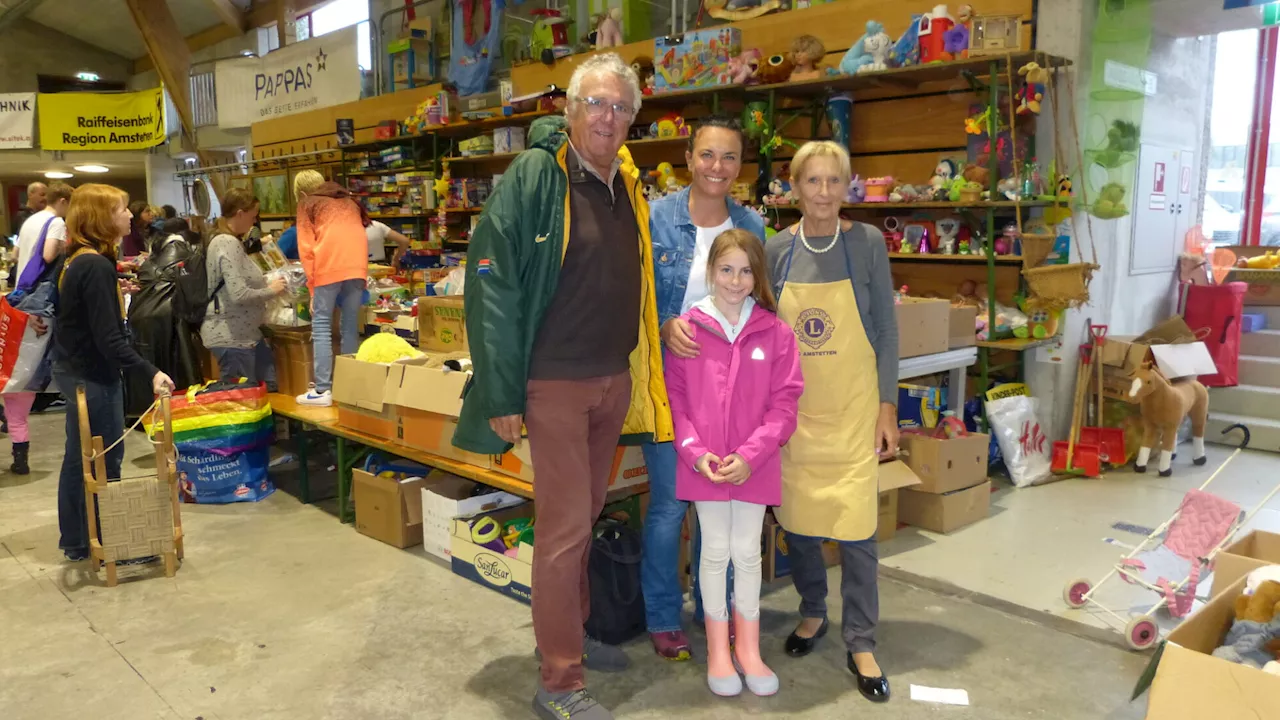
{"x":945,"y":696}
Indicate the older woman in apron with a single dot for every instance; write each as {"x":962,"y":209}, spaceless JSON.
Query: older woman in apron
{"x":834,"y":288}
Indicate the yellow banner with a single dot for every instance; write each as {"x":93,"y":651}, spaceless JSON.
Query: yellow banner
{"x":101,"y":121}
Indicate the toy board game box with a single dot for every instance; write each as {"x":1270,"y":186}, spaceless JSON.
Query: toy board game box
{"x":695,"y":59}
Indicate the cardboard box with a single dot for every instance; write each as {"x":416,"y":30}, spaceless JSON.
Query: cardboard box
{"x":962,"y":327}
{"x":1191,"y":684}
{"x":887,"y":516}
{"x":432,"y":433}
{"x":293,"y":355}
{"x":944,"y":513}
{"x":387,"y":509}
{"x":511,"y":576}
{"x":945,"y":465}
{"x":442,"y":324}
{"x":446,"y":497}
{"x":695,"y":59}
{"x":924,"y":326}
{"x":628,"y":465}
{"x":1242,"y":557}
{"x":365,"y":394}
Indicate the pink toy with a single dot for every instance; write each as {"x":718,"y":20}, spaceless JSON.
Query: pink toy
{"x":609,"y":29}
{"x":878,"y":189}
{"x":742,"y":67}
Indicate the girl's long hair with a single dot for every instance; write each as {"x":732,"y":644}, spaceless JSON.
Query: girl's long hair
{"x":747,"y":242}
{"x":90,"y":219}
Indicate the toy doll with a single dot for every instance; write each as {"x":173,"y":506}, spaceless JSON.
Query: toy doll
{"x":806,"y":52}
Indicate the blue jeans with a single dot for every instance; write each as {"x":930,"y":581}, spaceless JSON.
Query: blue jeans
{"x":348,"y":295}
{"x":659,"y":565}
{"x":254,"y":363}
{"x":106,"y":419}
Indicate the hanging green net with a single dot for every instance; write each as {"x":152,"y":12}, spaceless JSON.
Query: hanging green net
{"x":1121,"y":45}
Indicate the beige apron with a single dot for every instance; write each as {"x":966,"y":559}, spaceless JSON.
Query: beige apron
{"x":829,"y":467}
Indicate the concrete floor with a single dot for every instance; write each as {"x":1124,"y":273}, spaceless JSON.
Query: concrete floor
{"x":281,"y":612}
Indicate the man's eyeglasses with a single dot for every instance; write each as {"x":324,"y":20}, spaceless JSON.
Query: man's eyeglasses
{"x":597,"y":107}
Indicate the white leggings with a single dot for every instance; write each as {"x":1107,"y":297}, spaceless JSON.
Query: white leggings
{"x":730,"y":529}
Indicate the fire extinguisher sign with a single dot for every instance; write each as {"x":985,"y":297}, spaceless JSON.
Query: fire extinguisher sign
{"x":1159,"y":179}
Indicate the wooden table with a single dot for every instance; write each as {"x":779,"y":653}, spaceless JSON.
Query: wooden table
{"x":325,"y":419}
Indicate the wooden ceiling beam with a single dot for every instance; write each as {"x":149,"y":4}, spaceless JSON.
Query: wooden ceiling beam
{"x":262,"y":14}
{"x":230,"y":15}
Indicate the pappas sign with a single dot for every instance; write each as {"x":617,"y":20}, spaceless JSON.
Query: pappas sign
{"x":101,"y":121}
{"x":320,"y":72}
{"x":284,"y":81}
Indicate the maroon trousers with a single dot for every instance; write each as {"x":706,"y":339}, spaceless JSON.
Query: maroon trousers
{"x":574,"y":427}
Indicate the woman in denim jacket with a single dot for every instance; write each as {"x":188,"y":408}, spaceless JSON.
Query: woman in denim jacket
{"x":683,"y":227}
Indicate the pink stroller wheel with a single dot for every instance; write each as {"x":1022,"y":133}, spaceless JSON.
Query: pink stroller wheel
{"x":1074,"y":593}
{"x":1141,"y":633}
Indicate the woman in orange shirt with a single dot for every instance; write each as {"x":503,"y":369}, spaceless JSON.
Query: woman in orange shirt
{"x":334,"y":251}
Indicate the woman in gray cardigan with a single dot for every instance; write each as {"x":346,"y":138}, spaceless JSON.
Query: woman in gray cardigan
{"x":833,"y":286}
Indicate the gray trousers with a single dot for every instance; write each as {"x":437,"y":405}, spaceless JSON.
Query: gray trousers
{"x":859,"y":563}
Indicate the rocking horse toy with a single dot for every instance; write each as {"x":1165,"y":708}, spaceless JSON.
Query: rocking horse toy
{"x":1164,"y":403}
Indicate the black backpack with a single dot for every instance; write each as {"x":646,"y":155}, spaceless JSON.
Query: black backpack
{"x":613,"y":574}
{"x":191,"y":295}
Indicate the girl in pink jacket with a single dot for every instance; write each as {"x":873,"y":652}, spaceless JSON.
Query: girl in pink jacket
{"x":734,"y":406}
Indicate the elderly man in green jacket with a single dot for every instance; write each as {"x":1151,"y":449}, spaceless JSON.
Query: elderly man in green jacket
{"x":563,"y":328}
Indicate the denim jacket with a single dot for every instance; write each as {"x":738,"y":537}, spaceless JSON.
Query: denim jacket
{"x":674,"y":238}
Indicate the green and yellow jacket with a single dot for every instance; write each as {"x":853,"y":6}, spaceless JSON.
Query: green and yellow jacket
{"x":512,"y":269}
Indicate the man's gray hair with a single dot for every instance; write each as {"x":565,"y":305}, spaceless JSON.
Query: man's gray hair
{"x":611,"y":63}
{"x":37,"y":185}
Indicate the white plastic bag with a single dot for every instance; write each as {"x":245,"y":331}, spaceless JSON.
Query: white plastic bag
{"x":1028,"y":453}
{"x":453,"y":283}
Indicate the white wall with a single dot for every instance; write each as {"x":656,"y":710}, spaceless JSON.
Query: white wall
{"x":162,"y":187}
{"x":1177,"y":116}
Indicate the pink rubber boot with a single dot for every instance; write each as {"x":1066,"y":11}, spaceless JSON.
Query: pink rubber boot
{"x":722,"y":678}
{"x":760,"y":679}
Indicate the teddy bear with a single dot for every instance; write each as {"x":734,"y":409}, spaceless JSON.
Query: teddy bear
{"x":1254,"y":637}
{"x":1035,"y":79}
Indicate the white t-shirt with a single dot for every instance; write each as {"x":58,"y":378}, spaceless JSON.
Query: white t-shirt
{"x":377,"y":234}
{"x":697,"y":287}
{"x":30,"y":233}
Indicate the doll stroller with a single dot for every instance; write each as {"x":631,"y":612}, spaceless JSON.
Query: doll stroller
{"x":1184,"y":546}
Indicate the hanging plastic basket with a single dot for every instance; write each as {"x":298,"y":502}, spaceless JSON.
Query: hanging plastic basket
{"x":1036,"y":248}
{"x":1059,"y":286}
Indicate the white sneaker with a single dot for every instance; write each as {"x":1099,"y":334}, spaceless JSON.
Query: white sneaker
{"x":318,"y":399}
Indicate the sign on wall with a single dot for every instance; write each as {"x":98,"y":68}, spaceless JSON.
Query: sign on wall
{"x":317,"y":73}
{"x":17,"y":120}
{"x":102,"y":121}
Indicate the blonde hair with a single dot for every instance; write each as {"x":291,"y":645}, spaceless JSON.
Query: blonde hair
{"x":747,"y":242}
{"x":233,"y":202}
{"x":306,"y":181}
{"x":91,"y":220}
{"x":820,"y":149}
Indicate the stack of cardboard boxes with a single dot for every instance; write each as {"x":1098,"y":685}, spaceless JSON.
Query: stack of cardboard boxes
{"x":954,"y":490}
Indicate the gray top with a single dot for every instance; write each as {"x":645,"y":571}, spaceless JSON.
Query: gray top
{"x":872,"y":287}
{"x":241,"y":302}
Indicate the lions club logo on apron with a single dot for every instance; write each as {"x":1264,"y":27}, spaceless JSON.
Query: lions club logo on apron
{"x":814,"y":327}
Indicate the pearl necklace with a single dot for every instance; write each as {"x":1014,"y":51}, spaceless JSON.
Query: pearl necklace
{"x":834,"y":239}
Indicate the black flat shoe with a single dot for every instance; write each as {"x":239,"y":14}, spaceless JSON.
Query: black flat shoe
{"x":874,"y":689}
{"x":799,"y":646}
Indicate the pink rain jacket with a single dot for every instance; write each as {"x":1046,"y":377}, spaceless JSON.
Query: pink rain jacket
{"x":735,"y":398}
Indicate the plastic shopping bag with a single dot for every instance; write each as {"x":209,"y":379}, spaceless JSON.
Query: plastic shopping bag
{"x":13,"y":332}
{"x":206,"y":477}
{"x":1027,"y":452}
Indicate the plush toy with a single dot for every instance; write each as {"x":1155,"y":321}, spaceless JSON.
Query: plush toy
{"x":948,"y":230}
{"x":942,"y":176}
{"x":858,"y":56}
{"x":775,"y":69}
{"x":609,"y":29}
{"x":806,"y":52}
{"x":1034,"y":79}
{"x":1269,"y":261}
{"x":1110,"y":203}
{"x":1252,"y":639}
{"x":978,"y":174}
{"x":1164,"y":403}
{"x":1260,"y":576}
{"x":743,"y":67}
{"x":857,"y":190}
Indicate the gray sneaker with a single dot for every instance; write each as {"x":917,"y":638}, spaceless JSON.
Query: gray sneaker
{"x":598,"y":656}
{"x":575,"y":705}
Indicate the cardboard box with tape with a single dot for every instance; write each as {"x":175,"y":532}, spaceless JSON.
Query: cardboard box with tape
{"x":442,"y":324}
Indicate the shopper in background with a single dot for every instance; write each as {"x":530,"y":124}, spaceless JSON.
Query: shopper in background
{"x":733,"y":406}
{"x":168,"y":212}
{"x":556,"y":303}
{"x":158,"y":333}
{"x":238,"y":295}
{"x":834,"y":287}
{"x":334,"y":250}
{"x":378,"y":235}
{"x":90,"y":347}
{"x":36,"y":201}
{"x":135,"y":243}
{"x":683,"y":227}
{"x":304,"y":183}
{"x":48,"y":227}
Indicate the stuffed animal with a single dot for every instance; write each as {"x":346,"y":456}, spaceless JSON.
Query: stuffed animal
{"x":1253,"y":637}
{"x":776,"y":69}
{"x":859,"y":56}
{"x":857,"y":190}
{"x":743,"y":67}
{"x":1034,"y":81}
{"x":942,"y":176}
{"x":977,"y":173}
{"x":1260,"y":576}
{"x":609,"y":29}
{"x":1164,"y":404}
